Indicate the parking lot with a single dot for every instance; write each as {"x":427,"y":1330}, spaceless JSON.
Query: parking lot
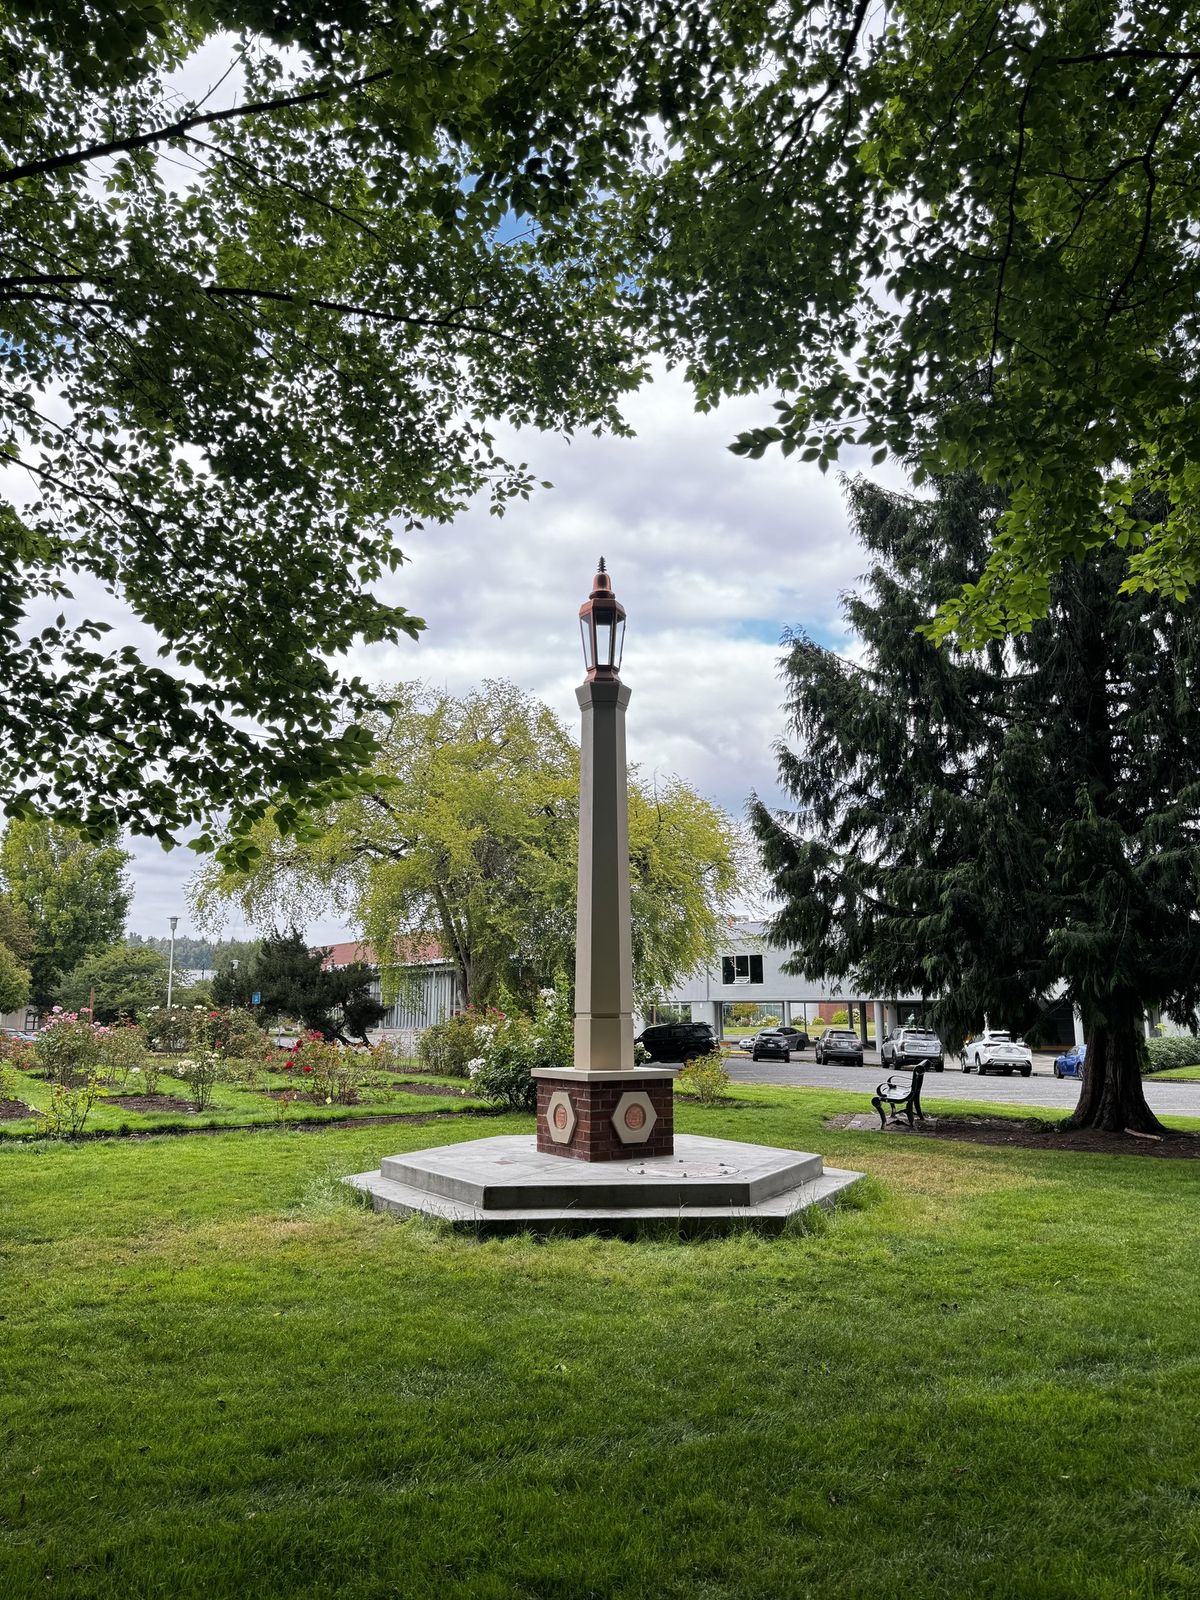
{"x":1043,"y":1090}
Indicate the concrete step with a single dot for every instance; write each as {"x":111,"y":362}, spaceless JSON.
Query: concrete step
{"x":507,"y":1173}
{"x":769,"y":1215}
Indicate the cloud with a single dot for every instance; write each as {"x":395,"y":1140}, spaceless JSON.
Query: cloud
{"x":712,"y":555}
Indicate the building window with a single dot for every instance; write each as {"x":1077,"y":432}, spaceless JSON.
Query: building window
{"x":741,"y":969}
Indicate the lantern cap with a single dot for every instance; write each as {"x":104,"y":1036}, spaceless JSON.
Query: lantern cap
{"x":601,"y":583}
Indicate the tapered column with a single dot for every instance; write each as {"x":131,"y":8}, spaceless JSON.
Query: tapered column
{"x":603,"y":946}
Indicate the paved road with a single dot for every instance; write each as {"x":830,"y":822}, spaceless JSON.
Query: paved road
{"x":1043,"y":1089}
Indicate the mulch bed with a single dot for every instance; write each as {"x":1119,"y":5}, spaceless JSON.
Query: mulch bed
{"x":1029,"y":1134}
{"x":149,"y":1102}
{"x":14,"y":1110}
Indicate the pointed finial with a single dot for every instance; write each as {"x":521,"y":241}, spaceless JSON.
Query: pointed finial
{"x":601,"y":567}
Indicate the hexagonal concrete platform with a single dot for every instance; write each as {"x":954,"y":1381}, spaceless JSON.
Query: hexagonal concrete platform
{"x":504,"y":1185}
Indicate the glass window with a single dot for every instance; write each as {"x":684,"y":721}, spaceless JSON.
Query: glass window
{"x":604,"y":643}
{"x":586,"y":631}
{"x":741,"y":969}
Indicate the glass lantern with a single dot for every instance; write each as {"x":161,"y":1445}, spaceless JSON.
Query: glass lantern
{"x":602,"y":627}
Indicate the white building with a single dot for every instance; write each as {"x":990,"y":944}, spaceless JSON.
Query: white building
{"x":749,"y":970}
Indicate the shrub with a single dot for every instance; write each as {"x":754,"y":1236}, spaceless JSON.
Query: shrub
{"x":201,"y":1071}
{"x":169,"y":1028}
{"x":8,"y":1081}
{"x":707,"y":1079}
{"x":70,"y":1107}
{"x":148,"y":1074}
{"x":447,"y":1047}
{"x":393,"y":1055}
{"x":324,"y":1071}
{"x":1176,"y":1050}
{"x":17,"y":1053}
{"x":232,"y":1033}
{"x":69,"y":1047}
{"x":122,"y":1051}
{"x":512,"y":1047}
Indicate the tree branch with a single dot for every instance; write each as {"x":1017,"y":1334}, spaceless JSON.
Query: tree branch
{"x":454,"y":325}
{"x":176,"y":130}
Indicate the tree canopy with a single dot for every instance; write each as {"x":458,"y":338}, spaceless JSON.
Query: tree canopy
{"x":120,"y":984}
{"x":73,"y":895}
{"x":964,"y":235}
{"x":250,"y":332}
{"x":469,"y":839}
{"x":1005,"y":822}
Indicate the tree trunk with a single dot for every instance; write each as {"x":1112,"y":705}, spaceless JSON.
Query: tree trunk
{"x":1111,"y":1098}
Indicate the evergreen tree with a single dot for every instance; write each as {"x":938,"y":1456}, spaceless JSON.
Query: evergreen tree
{"x":981,"y":827}
{"x":295,"y":984}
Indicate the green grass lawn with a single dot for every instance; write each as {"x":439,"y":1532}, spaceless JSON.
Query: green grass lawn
{"x":1177,"y":1075}
{"x":222,"y":1376}
{"x":235,"y":1105}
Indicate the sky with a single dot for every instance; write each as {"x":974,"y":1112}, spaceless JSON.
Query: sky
{"x":712,"y":556}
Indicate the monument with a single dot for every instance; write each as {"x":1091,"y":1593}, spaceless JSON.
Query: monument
{"x":604,"y":1156}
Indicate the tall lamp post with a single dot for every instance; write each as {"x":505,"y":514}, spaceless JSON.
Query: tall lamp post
{"x":603,"y":1107}
{"x":171,"y":962}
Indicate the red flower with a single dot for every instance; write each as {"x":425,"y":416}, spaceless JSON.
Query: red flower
{"x":308,"y":1069}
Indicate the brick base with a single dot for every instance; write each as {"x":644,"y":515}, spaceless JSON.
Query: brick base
{"x":594,"y":1136}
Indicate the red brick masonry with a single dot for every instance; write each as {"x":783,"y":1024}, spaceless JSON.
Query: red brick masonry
{"x":595,"y":1138}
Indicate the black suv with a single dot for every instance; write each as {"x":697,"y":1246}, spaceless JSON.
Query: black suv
{"x":678,"y":1041}
{"x":773,"y":1042}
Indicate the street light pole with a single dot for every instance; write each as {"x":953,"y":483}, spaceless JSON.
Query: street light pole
{"x":171,"y":963}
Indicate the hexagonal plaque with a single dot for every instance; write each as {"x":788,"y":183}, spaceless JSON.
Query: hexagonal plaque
{"x":560,"y":1117}
{"x":634,"y":1117}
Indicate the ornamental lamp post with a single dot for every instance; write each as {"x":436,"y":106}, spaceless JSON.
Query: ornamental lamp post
{"x":602,"y":1106}
{"x":603,"y":943}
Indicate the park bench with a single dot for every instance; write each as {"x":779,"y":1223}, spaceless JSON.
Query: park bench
{"x":900,"y":1104}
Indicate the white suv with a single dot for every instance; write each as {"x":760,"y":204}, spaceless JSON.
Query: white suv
{"x":996,"y":1050}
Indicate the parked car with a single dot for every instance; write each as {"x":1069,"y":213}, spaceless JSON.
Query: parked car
{"x":773,"y":1042}
{"x":996,"y":1050}
{"x":1070,"y":1063}
{"x":912,"y":1047}
{"x":678,"y":1041}
{"x":746,"y":1044}
{"x":19,"y":1034}
{"x":839,"y":1044}
{"x":800,"y":1040}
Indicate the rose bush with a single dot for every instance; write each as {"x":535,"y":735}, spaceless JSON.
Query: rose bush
{"x":508,"y":1049}
{"x":447,"y":1047}
{"x":69,"y":1046}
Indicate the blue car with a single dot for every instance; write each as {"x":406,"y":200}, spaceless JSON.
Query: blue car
{"x":1070,"y":1065}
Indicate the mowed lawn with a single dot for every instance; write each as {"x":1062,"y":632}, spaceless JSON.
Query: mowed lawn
{"x":222,"y":1376}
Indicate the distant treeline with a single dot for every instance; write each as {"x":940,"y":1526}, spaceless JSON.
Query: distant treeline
{"x":201,"y":954}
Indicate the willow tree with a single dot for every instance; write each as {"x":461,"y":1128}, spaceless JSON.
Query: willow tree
{"x":986,"y":827}
{"x":467,"y":836}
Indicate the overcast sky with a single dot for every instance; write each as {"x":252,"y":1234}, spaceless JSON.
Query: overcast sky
{"x":712,"y":556}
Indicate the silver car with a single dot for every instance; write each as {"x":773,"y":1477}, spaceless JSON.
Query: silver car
{"x":913,"y":1047}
